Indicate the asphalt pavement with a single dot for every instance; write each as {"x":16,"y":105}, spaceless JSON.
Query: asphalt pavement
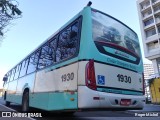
{"x":149,"y":112}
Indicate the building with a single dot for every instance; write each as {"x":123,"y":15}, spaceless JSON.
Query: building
{"x":149,"y":18}
{"x":148,"y":71}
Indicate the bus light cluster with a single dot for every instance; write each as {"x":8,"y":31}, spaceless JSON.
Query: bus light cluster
{"x":90,"y":75}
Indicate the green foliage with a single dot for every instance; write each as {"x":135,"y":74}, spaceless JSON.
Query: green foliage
{"x":8,"y":11}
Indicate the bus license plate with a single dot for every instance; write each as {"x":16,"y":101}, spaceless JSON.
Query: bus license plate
{"x":125,"y":102}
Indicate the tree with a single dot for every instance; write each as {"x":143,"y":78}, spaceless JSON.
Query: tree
{"x":8,"y":11}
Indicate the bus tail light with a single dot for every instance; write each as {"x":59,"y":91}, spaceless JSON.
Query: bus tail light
{"x":143,"y":83}
{"x":90,"y":75}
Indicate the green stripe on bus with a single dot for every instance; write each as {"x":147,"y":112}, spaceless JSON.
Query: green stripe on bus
{"x":54,"y":101}
{"x":116,"y":91}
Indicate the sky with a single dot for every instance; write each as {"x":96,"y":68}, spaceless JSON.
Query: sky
{"x":41,"y":18}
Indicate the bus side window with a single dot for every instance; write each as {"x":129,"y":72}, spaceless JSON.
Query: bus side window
{"x":23,"y":68}
{"x":61,"y":52}
{"x":74,"y":39}
{"x":52,"y":49}
{"x":33,"y":61}
{"x":74,"y":31}
{"x":45,"y":58}
{"x":67,"y":43}
{"x":17,"y":71}
{"x":9,"y":76}
{"x":12,"y":75}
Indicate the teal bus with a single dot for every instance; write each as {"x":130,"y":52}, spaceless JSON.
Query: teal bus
{"x":92,"y":62}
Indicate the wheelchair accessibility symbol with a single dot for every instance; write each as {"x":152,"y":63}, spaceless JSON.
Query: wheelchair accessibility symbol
{"x":101,"y":80}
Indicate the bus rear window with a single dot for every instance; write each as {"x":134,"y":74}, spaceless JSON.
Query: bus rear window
{"x":112,"y":32}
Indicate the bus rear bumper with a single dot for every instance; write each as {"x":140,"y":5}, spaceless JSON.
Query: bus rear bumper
{"x":88,"y":99}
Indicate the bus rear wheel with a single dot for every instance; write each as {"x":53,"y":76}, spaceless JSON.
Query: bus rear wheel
{"x":25,"y":102}
{"x":70,"y":113}
{"x":7,"y":103}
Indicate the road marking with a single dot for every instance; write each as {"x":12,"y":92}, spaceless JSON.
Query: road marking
{"x":8,"y":108}
{"x":15,"y":111}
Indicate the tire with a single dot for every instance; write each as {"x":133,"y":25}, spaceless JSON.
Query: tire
{"x":25,"y":102}
{"x":5,"y":94}
{"x":7,"y":103}
{"x":68,"y":114}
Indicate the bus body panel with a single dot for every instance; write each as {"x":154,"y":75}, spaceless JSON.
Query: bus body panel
{"x":12,"y":87}
{"x":57,"y":87}
{"x":81,"y":73}
{"x":11,"y":91}
{"x":109,"y":90}
{"x":26,"y":82}
{"x":110,"y":76}
{"x":107,"y":78}
{"x":59,"y":80}
{"x":106,"y":100}
{"x":52,"y":101}
{"x":16,"y":88}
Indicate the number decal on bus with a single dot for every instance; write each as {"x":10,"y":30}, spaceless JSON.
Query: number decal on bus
{"x":124,"y":78}
{"x":67,"y":77}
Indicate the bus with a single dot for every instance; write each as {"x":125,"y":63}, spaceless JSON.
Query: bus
{"x":92,"y":62}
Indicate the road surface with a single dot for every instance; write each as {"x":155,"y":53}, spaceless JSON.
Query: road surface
{"x":149,"y":109}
